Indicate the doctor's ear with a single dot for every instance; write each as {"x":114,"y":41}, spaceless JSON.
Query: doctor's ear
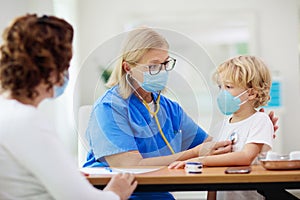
{"x":252,"y":93}
{"x":126,"y":67}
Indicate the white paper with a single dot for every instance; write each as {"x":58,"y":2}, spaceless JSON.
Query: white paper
{"x":107,"y":170}
{"x":97,"y":170}
{"x":136,"y":170}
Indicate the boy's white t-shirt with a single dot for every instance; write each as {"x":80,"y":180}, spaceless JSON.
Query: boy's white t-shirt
{"x":257,"y":128}
{"x":34,"y":163}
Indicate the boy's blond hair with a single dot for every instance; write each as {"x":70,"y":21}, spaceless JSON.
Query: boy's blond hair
{"x":139,"y":41}
{"x":247,"y":72}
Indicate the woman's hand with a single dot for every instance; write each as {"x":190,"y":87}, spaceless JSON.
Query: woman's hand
{"x":122,"y":184}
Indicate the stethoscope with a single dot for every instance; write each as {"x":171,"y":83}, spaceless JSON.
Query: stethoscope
{"x":157,"y":103}
{"x":233,"y":137}
{"x":157,"y":122}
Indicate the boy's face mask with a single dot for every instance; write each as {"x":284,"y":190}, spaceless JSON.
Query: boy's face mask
{"x":229,"y":104}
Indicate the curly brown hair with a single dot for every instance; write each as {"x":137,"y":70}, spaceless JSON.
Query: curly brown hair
{"x":33,"y":48}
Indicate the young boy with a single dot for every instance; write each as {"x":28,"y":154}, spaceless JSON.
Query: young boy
{"x":244,"y":83}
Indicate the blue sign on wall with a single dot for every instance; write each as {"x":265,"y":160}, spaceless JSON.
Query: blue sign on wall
{"x":275,"y":94}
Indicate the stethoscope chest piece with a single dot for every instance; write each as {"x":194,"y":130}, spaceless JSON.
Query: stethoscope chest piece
{"x":233,"y":137}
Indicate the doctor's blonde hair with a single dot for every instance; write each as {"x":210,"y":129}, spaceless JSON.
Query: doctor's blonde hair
{"x":247,"y":72}
{"x":138,"y":42}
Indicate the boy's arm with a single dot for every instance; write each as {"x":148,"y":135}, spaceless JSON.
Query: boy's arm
{"x":244,"y":157}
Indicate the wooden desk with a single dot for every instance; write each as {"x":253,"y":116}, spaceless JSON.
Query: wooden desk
{"x":271,"y":184}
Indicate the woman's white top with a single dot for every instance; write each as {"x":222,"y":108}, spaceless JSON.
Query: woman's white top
{"x":34,"y":163}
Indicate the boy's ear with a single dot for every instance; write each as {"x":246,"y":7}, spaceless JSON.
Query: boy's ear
{"x":126,"y":67}
{"x":252,"y":94}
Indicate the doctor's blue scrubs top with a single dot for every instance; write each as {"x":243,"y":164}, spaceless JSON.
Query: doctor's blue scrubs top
{"x":120,"y":125}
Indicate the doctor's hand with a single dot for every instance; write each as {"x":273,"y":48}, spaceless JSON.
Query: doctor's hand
{"x":122,"y":184}
{"x":273,"y":119}
{"x":214,"y":148}
{"x":221,"y":147}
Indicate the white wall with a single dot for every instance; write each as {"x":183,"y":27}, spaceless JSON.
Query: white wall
{"x":275,"y":39}
{"x":279,"y":38}
{"x":9,"y":9}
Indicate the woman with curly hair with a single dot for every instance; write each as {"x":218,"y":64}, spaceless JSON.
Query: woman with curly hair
{"x":34,"y":62}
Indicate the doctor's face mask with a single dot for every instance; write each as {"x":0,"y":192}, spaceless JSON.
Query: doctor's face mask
{"x":154,"y":83}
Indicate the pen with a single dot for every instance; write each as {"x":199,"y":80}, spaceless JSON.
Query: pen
{"x":108,"y":169}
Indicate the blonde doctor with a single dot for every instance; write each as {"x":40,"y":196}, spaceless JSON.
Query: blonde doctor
{"x":133,"y":123}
